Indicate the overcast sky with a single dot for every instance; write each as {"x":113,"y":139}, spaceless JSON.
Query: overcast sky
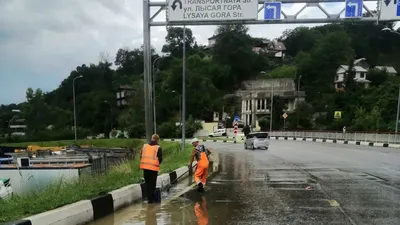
{"x":42,"y":41}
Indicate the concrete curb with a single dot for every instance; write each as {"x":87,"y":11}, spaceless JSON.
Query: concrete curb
{"x":324,"y":140}
{"x":86,"y":211}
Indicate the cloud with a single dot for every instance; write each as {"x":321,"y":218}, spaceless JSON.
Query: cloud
{"x":41,"y":42}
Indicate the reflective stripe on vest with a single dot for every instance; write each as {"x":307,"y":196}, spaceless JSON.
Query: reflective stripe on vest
{"x":149,"y":159}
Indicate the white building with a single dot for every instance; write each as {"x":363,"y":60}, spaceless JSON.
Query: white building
{"x":18,"y":127}
{"x":389,"y":69}
{"x":123,"y":94}
{"x":360,"y":76}
{"x":361,"y":68}
{"x":256,"y":98}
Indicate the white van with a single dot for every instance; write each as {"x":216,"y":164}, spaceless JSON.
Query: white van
{"x":257,"y":140}
{"x":218,"y":133}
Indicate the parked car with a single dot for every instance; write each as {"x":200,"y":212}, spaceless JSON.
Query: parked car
{"x":5,"y":188}
{"x":218,"y":133}
{"x":256,"y":140}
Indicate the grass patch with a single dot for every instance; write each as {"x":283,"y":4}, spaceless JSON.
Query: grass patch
{"x":61,"y":193}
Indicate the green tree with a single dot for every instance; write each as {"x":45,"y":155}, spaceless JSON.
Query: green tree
{"x":377,"y":77}
{"x":284,"y":71}
{"x":174,"y":42}
{"x":263,"y":123}
{"x":234,"y":48}
{"x":367,"y":121}
{"x":301,"y":118}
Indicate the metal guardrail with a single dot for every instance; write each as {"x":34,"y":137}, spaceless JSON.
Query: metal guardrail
{"x":100,"y":158}
{"x":367,"y":137}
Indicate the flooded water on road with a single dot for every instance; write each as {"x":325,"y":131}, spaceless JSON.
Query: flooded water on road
{"x":266,"y":187}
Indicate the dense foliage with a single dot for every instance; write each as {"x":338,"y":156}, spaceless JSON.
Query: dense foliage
{"x":212,"y":74}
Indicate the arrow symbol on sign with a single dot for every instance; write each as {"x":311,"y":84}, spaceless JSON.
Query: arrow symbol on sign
{"x":272,"y":7}
{"x":173,"y":6}
{"x":387,"y":2}
{"x":355,"y":5}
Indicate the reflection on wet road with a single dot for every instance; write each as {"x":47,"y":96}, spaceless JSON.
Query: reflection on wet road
{"x":292,"y":183}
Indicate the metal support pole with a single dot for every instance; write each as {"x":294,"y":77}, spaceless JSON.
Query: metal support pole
{"x":272,"y":105}
{"x":184,"y":89}
{"x":147,"y":70}
{"x":73,"y":96}
{"x":397,"y":116}
{"x":298,"y":99}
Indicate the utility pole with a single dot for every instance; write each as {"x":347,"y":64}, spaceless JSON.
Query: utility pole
{"x":147,"y":70}
{"x":73,"y":96}
{"x":183,"y":124}
{"x":154,"y":94}
{"x":272,"y":106}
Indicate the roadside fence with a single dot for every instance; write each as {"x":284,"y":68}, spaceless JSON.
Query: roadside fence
{"x":356,"y":136}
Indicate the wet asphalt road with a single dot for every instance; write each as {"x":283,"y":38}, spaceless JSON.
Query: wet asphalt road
{"x":293,"y":182}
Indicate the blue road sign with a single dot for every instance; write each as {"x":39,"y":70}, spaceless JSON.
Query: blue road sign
{"x":354,"y":8}
{"x":272,"y":10}
{"x":236,"y":118}
{"x":398,"y":8}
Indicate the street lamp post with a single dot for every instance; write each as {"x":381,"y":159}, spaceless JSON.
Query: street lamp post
{"x":111,"y":115}
{"x":154,"y":94}
{"x":180,"y":105}
{"x":298,"y":98}
{"x":184,"y":89}
{"x":73,"y":95}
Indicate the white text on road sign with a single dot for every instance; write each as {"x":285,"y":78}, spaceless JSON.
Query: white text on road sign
{"x":272,"y":11}
{"x":211,"y":10}
{"x":390,"y":10}
{"x":353,"y":8}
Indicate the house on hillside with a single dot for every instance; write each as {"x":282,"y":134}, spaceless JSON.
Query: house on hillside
{"x":274,"y":48}
{"x":360,"y":76}
{"x":389,"y":69}
{"x":255,"y":96}
{"x":361,"y":68}
{"x":123,"y":93}
{"x":211,"y":41}
{"x":17,"y":127}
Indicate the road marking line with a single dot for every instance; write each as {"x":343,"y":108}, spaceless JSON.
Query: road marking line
{"x":333,"y":203}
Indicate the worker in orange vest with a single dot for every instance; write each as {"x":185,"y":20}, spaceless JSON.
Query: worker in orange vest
{"x":150,"y":160}
{"x":201,"y":153}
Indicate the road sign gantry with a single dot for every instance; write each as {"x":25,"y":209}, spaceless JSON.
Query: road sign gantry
{"x":220,"y":12}
{"x":390,"y":9}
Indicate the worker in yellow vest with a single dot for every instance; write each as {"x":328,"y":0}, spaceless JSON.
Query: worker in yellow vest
{"x":150,"y":160}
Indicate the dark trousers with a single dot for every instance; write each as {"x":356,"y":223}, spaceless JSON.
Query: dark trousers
{"x":150,"y":177}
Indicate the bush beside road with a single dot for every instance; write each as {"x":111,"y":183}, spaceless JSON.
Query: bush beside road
{"x":61,"y":193}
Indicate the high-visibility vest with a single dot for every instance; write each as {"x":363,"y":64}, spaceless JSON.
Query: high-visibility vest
{"x":149,"y":159}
